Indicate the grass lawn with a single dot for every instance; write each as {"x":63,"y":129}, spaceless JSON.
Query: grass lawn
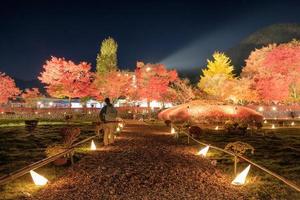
{"x":278,"y":151}
{"x":20,"y":146}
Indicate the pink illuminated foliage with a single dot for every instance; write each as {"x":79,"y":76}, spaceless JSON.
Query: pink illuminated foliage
{"x":153,"y":81}
{"x":31,"y":96}
{"x":8,"y":88}
{"x":275,"y":71}
{"x":64,"y":78}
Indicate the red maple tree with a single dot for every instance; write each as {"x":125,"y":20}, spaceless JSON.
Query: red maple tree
{"x":153,"y":80}
{"x":31,"y":96}
{"x":64,"y":78}
{"x":8,"y":88}
{"x":275,"y":71}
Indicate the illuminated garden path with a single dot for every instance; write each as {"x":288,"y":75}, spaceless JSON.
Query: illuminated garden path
{"x":144,"y":163}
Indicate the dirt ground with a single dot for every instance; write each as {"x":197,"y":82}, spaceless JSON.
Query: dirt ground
{"x":145,"y":162}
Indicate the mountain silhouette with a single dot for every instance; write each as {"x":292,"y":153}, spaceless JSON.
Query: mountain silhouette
{"x":277,"y":33}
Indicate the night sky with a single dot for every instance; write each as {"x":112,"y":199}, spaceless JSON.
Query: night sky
{"x":180,"y":34}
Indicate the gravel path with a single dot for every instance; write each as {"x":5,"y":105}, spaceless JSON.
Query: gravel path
{"x":144,"y":163}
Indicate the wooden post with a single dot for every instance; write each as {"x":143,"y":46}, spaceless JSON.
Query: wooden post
{"x":72,"y":158}
{"x":235,"y":164}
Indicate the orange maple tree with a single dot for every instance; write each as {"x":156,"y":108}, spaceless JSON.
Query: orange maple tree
{"x":113,"y":84}
{"x":64,"y":78}
{"x":8,"y":88}
{"x":31,"y":96}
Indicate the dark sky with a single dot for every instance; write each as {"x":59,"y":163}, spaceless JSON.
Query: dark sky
{"x":180,"y":34}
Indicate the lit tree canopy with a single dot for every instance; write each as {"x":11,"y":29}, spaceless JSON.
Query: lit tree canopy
{"x":181,"y":91}
{"x":31,"y":96}
{"x":8,"y":88}
{"x":107,"y":57}
{"x":275,"y":71}
{"x":153,"y":80}
{"x":63,"y":78}
{"x":218,"y":71}
{"x":113,"y":84}
{"x":239,"y":91}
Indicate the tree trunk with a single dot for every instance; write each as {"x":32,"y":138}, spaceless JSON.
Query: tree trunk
{"x":149,"y":109}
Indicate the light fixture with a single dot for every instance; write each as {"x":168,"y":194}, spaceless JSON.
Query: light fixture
{"x":217,"y":128}
{"x":93,"y":146}
{"x":293,"y":123}
{"x":260,"y":108}
{"x":38,"y":179}
{"x":173,"y":130}
{"x":203,"y":151}
{"x":241,"y":178}
{"x":273,"y":126}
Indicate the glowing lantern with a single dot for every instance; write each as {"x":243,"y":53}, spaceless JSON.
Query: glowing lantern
{"x":273,"y":126}
{"x":217,"y":128}
{"x":261,"y":109}
{"x":121,"y":125}
{"x":293,"y":123}
{"x":36,"y":113}
{"x":274,"y":108}
{"x":49,"y":113}
{"x":241,"y":178}
{"x":265,"y":121}
{"x":203,"y":151}
{"x":173,"y":130}
{"x":148,"y":69}
{"x":93,"y":146}
{"x":118,"y":129}
{"x":51,"y":103}
{"x":38,"y":179}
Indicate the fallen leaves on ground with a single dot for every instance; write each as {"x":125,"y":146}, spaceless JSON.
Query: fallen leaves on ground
{"x":144,"y":163}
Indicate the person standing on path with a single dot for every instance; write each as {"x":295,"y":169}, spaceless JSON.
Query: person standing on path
{"x":108,"y":115}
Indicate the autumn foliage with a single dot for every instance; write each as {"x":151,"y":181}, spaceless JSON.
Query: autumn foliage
{"x":64,"y":78}
{"x":31,"y":96}
{"x":8,"y":88}
{"x":275,"y":72}
{"x":218,"y":71}
{"x":153,"y":80}
{"x":113,"y":84}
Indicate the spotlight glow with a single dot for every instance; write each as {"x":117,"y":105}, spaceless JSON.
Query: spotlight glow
{"x":293,"y":123}
{"x":38,"y":179}
{"x":93,"y":146}
{"x":241,"y":178}
{"x":203,"y":151}
{"x":273,"y":126}
{"x":173,"y":130}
